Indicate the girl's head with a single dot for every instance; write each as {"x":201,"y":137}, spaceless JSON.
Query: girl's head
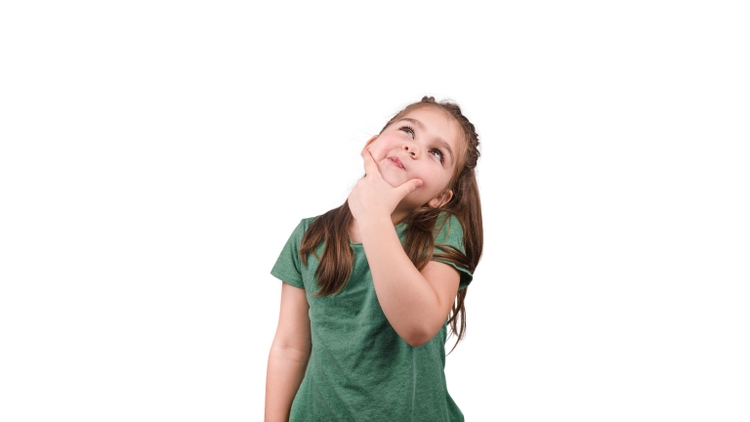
{"x":432,"y":141}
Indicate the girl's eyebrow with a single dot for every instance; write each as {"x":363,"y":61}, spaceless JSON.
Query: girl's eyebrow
{"x":438,"y":140}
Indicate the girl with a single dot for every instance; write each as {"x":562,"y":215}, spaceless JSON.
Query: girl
{"x":370,"y":287}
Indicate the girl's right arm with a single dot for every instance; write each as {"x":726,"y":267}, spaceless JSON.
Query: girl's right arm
{"x":290,"y":352}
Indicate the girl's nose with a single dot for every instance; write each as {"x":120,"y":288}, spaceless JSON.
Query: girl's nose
{"x":412,"y":150}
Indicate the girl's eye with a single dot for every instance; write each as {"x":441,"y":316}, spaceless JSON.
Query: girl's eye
{"x":437,"y":153}
{"x":408,"y":130}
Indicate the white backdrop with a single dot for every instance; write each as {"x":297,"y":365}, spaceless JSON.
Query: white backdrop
{"x":155,"y":155}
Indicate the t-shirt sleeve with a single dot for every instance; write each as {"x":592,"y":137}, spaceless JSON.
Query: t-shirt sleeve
{"x":450,"y":234}
{"x":288,"y":267}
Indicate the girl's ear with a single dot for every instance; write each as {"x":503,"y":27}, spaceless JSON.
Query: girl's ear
{"x":367,"y":144}
{"x":440,"y":200}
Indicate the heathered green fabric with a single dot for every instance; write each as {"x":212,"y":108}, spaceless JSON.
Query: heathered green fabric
{"x":360,"y":369}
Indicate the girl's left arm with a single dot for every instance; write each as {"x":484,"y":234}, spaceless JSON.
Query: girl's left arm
{"x":289,"y":354}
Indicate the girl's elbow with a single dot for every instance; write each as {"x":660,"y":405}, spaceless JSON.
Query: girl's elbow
{"x":416,"y":341}
{"x":418,"y":337}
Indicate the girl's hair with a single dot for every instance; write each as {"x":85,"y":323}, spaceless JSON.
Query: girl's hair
{"x":332,"y":228}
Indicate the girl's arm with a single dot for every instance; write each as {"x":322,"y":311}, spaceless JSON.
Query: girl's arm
{"x":290,"y":352}
{"x":415,"y":303}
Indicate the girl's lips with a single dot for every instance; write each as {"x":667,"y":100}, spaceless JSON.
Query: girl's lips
{"x":397,"y":162}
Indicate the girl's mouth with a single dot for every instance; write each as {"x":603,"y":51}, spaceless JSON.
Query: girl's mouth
{"x":397,"y":162}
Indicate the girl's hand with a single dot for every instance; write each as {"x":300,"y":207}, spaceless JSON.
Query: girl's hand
{"x":373,"y":197}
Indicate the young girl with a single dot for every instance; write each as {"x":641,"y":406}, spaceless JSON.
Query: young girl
{"x":370,"y":287}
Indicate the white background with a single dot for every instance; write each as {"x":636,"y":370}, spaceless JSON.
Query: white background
{"x":155,"y":155}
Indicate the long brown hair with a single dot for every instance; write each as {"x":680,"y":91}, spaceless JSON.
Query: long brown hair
{"x":332,"y":228}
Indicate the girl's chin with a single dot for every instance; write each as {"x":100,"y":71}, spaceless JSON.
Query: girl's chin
{"x":393,"y":181}
{"x":395,"y":185}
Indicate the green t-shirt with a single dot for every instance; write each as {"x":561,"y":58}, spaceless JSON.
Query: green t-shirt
{"x":360,"y":369}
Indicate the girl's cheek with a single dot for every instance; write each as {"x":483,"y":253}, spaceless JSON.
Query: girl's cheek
{"x":376,"y":152}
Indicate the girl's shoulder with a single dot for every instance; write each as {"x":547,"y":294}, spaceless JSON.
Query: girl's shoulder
{"x":448,"y":229}
{"x":301,"y":228}
{"x":446,"y":217}
{"x":447,"y":221}
{"x":305,"y":222}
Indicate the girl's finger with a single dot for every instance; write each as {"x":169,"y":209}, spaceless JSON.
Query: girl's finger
{"x":371,"y":167}
{"x":409,"y":187}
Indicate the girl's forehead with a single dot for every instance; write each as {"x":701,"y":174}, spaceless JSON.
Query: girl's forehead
{"x":431,"y":111}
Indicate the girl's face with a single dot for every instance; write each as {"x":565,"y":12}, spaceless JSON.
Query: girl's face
{"x":425,"y":144}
